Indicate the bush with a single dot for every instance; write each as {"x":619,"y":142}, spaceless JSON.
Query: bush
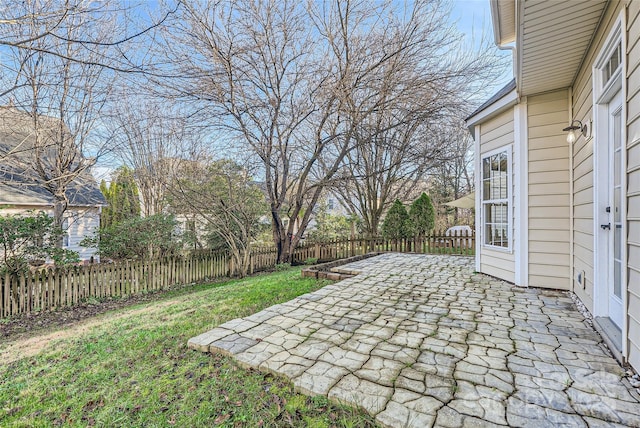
{"x":32,"y":239}
{"x":422,"y":216}
{"x":138,"y":238}
{"x":122,"y":198}
{"x":282,"y":266}
{"x":396,"y":223}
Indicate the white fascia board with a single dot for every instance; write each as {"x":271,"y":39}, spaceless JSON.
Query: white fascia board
{"x":517,"y":58}
{"x":495,"y":19}
{"x":494,"y":109}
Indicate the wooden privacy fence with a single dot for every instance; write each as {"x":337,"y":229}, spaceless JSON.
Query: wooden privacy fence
{"x":48,"y":289}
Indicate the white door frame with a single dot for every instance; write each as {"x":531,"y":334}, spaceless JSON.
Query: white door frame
{"x":603,"y":93}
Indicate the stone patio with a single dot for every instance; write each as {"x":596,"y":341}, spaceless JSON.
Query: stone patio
{"x":422,"y":340}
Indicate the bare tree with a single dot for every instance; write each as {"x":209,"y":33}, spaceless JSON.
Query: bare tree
{"x":153,"y":139}
{"x":43,"y":25}
{"x":452,"y":176}
{"x":419,"y":93}
{"x":250,"y":73}
{"x":58,"y":101}
{"x":389,"y":162}
{"x":295,"y":85}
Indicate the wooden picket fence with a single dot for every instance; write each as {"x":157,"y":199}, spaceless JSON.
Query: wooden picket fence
{"x":48,"y":289}
{"x":337,"y":249}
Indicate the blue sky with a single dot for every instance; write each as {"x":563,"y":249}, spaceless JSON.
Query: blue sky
{"x":473,"y":17}
{"x":470,"y":14}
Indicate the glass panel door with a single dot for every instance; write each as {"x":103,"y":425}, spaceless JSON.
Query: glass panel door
{"x":617,"y":239}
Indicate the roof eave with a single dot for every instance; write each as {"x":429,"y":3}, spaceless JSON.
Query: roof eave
{"x":504,"y":29}
{"x":517,"y":59}
{"x":505,"y":102}
{"x":4,"y":203}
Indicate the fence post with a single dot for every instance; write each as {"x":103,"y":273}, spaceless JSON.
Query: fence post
{"x":4,"y":307}
{"x":29,"y":281}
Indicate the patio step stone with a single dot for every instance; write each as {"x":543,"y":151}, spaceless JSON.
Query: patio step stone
{"x":423,"y":340}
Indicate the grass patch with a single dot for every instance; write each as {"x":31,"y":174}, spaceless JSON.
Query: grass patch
{"x":133,"y":369}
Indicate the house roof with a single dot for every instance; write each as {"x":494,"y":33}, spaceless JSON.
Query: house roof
{"x":503,"y":99}
{"x":508,"y":88}
{"x":84,"y":191}
{"x":550,"y":47}
{"x":19,"y":185}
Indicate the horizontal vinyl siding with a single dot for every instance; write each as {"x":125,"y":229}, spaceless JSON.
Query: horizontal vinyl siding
{"x":498,"y":267}
{"x":633,"y":182}
{"x":583,"y":170}
{"x":548,"y":157}
{"x":583,"y":163}
{"x":497,"y":132}
{"x":583,"y":177}
{"x":494,"y":134}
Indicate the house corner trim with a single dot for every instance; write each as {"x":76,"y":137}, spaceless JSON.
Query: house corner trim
{"x":521,"y":200}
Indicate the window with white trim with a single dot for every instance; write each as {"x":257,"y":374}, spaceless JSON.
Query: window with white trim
{"x":495,"y":199}
{"x":330,"y":203}
{"x":613,"y":63}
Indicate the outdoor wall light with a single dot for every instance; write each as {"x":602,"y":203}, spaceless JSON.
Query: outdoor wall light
{"x":576,"y":125}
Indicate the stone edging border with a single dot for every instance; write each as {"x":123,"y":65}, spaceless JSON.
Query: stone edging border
{"x":331,"y":270}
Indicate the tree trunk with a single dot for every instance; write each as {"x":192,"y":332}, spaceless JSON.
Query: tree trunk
{"x":242,"y":257}
{"x":280,"y":237}
{"x":284,"y":249}
{"x":59,"y":208}
{"x":246,"y":261}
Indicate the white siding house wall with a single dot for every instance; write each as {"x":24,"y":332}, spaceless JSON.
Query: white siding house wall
{"x":548,"y":166}
{"x":561,"y":179}
{"x":498,"y":133}
{"x":583,"y":169}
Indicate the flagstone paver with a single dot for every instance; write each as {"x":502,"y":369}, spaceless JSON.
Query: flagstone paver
{"x":422,"y":340}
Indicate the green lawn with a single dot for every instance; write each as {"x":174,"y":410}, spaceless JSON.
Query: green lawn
{"x":132,"y":368}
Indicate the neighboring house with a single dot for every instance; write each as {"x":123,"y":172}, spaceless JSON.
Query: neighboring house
{"x":192,"y":228}
{"x":19,"y":193}
{"x":557,"y":207}
{"x":334,"y":204}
